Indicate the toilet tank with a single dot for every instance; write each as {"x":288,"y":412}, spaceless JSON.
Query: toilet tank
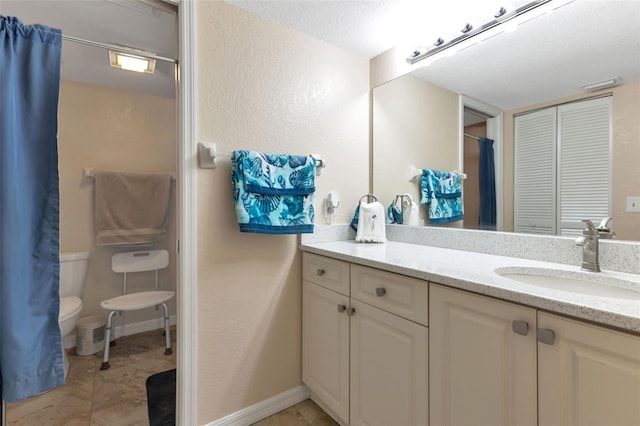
{"x":73,"y":272}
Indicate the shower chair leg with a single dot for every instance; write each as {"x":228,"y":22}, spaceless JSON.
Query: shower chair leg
{"x":107,"y":343}
{"x":167,"y":332}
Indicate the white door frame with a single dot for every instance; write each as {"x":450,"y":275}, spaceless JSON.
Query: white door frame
{"x":187,"y":280}
{"x":494,"y":132}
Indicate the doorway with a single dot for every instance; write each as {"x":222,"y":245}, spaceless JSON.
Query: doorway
{"x":106,"y":109}
{"x":479,"y":120}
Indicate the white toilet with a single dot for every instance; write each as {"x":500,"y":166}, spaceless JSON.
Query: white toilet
{"x":73,"y":272}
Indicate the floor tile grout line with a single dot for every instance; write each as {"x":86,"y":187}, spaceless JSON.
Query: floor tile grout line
{"x":93,"y":388}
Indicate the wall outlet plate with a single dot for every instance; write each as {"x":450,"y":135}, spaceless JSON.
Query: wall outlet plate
{"x":633,"y":204}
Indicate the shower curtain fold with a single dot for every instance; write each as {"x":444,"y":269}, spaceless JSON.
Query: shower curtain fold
{"x":487,"y":185}
{"x":30,"y":342}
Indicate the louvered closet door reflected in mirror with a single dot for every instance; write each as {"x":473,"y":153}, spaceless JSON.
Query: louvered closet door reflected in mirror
{"x":563,"y":167}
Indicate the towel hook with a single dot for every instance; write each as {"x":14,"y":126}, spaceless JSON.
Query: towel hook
{"x":405,"y":201}
{"x":369,"y":197}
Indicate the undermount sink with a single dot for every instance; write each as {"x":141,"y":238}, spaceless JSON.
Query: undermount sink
{"x":602,"y":284}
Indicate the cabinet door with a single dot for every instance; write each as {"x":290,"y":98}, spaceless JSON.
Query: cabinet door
{"x":325,"y":347}
{"x":481,"y":371}
{"x":389,"y":361}
{"x":589,"y":376}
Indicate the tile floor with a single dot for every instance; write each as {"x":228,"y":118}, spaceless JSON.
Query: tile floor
{"x":118,"y":396}
{"x":305,"y":413}
{"x":91,"y":397}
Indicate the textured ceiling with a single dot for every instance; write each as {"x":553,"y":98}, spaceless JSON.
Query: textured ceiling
{"x":123,"y":22}
{"x":549,"y":57}
{"x":370,"y":27}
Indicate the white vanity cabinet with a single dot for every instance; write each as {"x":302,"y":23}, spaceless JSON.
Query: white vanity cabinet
{"x":362,"y":358}
{"x":482,"y":362}
{"x":487,"y":367}
{"x":325,"y":331}
{"x":588,"y":375}
{"x":389,"y":353}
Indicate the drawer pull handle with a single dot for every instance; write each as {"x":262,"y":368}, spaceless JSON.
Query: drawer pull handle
{"x":351,"y":311}
{"x":520,"y":327}
{"x":546,"y":336}
{"x":381,"y":291}
{"x":320,"y":272}
{"x":341,"y":308}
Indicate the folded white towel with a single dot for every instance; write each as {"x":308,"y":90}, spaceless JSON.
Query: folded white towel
{"x":371,"y":223}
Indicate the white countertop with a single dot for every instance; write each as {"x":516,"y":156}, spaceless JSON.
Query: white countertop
{"x":475,"y":272}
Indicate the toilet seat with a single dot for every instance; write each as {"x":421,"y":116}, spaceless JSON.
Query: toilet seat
{"x":69,"y":306}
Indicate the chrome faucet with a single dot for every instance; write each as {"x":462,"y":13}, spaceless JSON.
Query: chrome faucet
{"x":604,"y":230}
{"x":589,"y":243}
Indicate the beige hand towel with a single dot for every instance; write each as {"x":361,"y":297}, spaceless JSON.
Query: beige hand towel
{"x":131,"y":208}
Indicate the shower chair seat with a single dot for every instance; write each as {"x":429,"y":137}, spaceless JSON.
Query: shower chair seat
{"x":135,"y":301}
{"x":138,"y":261}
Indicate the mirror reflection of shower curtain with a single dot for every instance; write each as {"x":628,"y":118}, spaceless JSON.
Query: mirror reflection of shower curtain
{"x":487,"y":176}
{"x":30,"y":342}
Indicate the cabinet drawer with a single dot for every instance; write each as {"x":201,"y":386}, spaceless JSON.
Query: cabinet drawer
{"x":329,"y":273}
{"x":400,"y":295}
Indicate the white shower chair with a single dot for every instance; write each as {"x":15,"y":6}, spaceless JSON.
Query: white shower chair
{"x":137,"y":261}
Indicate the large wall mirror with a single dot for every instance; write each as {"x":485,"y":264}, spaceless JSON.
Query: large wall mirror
{"x":432,"y":117}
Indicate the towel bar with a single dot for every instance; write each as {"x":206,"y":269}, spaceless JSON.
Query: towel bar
{"x":208,"y":152}
{"x":90,"y":173}
{"x":414,"y":173}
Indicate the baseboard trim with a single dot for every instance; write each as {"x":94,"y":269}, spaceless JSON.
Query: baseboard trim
{"x":264,"y":409}
{"x":127,"y":329}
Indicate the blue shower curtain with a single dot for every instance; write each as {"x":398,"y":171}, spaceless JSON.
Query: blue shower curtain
{"x":487,"y":185}
{"x":30,"y":343}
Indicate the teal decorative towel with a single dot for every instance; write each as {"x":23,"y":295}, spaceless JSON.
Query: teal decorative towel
{"x":270,"y":174}
{"x":354,"y":220}
{"x":394,"y":214}
{"x":273,"y":194}
{"x":442,"y":191}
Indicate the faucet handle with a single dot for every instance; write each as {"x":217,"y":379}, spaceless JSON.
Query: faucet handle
{"x":590,"y":229}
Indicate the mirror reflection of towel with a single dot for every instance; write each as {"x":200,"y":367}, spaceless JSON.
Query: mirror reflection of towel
{"x":131,"y":208}
{"x":394,"y":214}
{"x":442,"y":191}
{"x":410,"y":211}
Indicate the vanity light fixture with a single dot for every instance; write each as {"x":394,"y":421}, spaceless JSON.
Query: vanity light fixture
{"x":469,"y":32}
{"x":132,"y":62}
{"x":601,"y":84}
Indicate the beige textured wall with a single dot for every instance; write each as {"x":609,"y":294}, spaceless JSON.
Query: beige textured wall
{"x":265,"y":87}
{"x":626,"y":156}
{"x":414,"y":123}
{"x":111,"y":130}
